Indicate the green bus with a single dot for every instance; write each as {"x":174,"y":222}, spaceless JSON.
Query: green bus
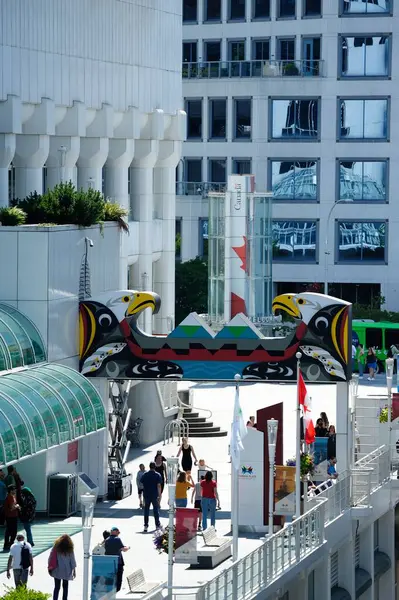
{"x":380,"y":335}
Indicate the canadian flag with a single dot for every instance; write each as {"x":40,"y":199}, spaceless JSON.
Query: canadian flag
{"x":305,"y":402}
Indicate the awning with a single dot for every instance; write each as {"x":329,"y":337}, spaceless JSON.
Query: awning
{"x":382,"y":563}
{"x":45,"y":406}
{"x":20,"y":341}
{"x":339,"y":593}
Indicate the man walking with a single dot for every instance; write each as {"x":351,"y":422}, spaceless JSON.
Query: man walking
{"x":114,"y":547}
{"x":152,"y":489}
{"x":21,"y":560}
{"x":27,"y":511}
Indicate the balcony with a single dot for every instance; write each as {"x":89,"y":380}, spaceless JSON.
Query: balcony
{"x":253,"y":68}
{"x":200,"y":188}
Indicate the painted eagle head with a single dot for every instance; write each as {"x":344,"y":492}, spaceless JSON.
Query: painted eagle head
{"x":306,"y":305}
{"x":129,"y":303}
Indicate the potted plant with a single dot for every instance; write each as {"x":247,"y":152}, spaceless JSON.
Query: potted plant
{"x":24,"y":593}
{"x":161,"y":540}
{"x":307,"y":464}
{"x":290,"y":69}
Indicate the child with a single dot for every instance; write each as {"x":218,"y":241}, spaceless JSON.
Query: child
{"x":203,"y":466}
{"x":196,"y":498}
{"x":99,"y":550}
{"x":140,"y":488}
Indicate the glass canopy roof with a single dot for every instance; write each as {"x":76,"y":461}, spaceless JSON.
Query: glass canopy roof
{"x":44,"y":406}
{"x":20,"y":341}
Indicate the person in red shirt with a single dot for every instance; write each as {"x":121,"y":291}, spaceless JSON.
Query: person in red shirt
{"x":209,"y":495}
{"x":11,"y":511}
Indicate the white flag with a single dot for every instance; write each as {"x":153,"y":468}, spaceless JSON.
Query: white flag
{"x":238,"y":432}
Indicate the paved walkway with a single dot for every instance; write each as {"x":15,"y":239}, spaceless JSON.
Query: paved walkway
{"x":129,"y":518}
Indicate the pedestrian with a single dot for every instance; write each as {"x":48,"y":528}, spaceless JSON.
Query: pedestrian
{"x":353,"y":356}
{"x":202,"y":466}
{"x":28,"y":511}
{"x":331,"y":470}
{"x":152,"y":490}
{"x":371,"y":361}
{"x":9,"y":480}
{"x":320,"y":430}
{"x":208,"y":499}
{"x":196,"y":498}
{"x":62,"y":565}
{"x":21,"y":560}
{"x":3,"y":496}
{"x":11,"y":511}
{"x":251,"y":422}
{"x":139,"y":475}
{"x":331,"y":443}
{"x":360,"y":359}
{"x":188,"y":454}
{"x":160,"y":467}
{"x":182,"y":487}
{"x":99,"y":549}
{"x":13,"y":478}
{"x":324,"y":418}
{"x":114,"y":547}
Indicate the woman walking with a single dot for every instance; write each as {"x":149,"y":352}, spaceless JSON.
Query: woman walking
{"x":62,"y":565}
{"x":331,"y":443}
{"x":371,"y":361}
{"x":188,"y":454}
{"x":160,"y":467}
{"x":182,"y":487}
{"x":208,"y":500}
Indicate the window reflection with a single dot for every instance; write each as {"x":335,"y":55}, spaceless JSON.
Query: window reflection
{"x":203,"y":238}
{"x":366,"y":6}
{"x":294,"y":241}
{"x":362,"y":181}
{"x":364,"y":119}
{"x":295,"y":118}
{"x":365,"y":56}
{"x":361,"y":241}
{"x":294,"y":180}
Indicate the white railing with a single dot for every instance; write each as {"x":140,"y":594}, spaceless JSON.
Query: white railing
{"x":337,"y":492}
{"x":379,"y":461}
{"x":167,"y":395}
{"x":361,"y":486}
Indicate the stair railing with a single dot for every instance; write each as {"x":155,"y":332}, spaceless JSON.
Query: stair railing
{"x":182,"y":405}
{"x":177,"y":427}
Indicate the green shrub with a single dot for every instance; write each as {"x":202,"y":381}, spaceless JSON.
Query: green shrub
{"x":23,"y":593}
{"x":12,"y":216}
{"x":32,"y":206}
{"x":115,"y":212}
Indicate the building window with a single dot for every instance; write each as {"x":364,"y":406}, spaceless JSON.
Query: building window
{"x":363,"y":119}
{"x":236,"y":50}
{"x":361,"y":241}
{"x":366,"y":7}
{"x":212,"y":51}
{"x":261,"y":9}
{"x":294,"y":241}
{"x":261,"y":49}
{"x":286,"y":9}
{"x":193,"y":170}
{"x":293,"y":180}
{"x":212,"y":10}
{"x":242,"y":118}
{"x":236,"y":10}
{"x":312,"y":8}
{"x":217,"y":170}
{"x":178,"y":239}
{"x":194,"y":119}
{"x":241,"y":166}
{"x":357,"y":293}
{"x":203,"y":238}
{"x":365,"y":56}
{"x":294,"y":119}
{"x":190,"y":11}
{"x":363,"y":180}
{"x":217,"y":119}
{"x":190,"y":52}
{"x":286,"y":49}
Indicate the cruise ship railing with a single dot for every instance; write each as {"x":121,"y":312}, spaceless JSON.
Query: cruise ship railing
{"x":252,"y":68}
{"x":337,"y":492}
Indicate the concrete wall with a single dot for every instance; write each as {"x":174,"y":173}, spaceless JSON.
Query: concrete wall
{"x":144,"y":402}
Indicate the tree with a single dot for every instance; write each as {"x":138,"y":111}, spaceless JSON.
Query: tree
{"x":191,"y":288}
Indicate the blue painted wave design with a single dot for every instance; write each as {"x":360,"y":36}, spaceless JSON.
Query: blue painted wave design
{"x":210,"y":371}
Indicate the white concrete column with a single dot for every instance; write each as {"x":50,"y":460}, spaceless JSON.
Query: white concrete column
{"x":165,"y":198}
{"x":366,"y":558}
{"x":386,"y":543}
{"x":7,"y":151}
{"x":119,"y":159}
{"x":346,"y":567}
{"x":30,"y":156}
{"x":61,"y":161}
{"x":341,"y":427}
{"x":142,"y":203}
{"x":93,"y":154}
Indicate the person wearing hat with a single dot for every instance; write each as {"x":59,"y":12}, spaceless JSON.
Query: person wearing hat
{"x":114,"y":547}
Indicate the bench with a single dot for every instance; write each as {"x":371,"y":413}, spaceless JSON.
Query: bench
{"x":138,"y":584}
{"x":211,"y":538}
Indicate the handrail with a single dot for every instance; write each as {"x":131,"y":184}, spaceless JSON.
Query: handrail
{"x":183,"y":405}
{"x":371,"y":456}
{"x":252,"y":68}
{"x":160,"y":387}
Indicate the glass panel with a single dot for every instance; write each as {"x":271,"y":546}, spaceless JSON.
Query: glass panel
{"x":19,"y":426}
{"x":193,"y":169}
{"x":286,"y":8}
{"x":217,"y":170}
{"x":365,"y":56}
{"x":312,"y":8}
{"x":212,"y":10}
{"x":237,"y":51}
{"x":286,"y":49}
{"x":189,"y":11}
{"x":243,"y":118}
{"x":261,"y":9}
{"x":30,"y":329}
{"x":59,"y":410}
{"x":21,"y":337}
{"x":29,"y":409}
{"x":241,"y":166}
{"x":218,"y":118}
{"x":212,"y":51}
{"x":294,"y":241}
{"x":363,"y":119}
{"x":261,"y":50}
{"x":190,"y":52}
{"x":194,"y":119}
{"x":5,"y":358}
{"x":361,"y":241}
{"x":203,"y":241}
{"x":294,"y":180}
{"x":295,"y":119}
{"x":373,"y":7}
{"x":363,"y":181}
{"x":8,"y":437}
{"x":10,"y":341}
{"x":237,"y":10}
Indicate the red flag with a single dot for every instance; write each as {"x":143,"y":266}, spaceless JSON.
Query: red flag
{"x":305,"y":402}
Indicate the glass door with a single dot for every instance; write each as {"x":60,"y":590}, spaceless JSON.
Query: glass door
{"x":311,"y":56}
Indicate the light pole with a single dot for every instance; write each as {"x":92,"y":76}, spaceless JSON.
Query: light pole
{"x":172,"y":465}
{"x":326,"y":251}
{"x":87,"y":507}
{"x":389,"y":362}
{"x":62,"y":150}
{"x":272,"y":427}
{"x":354,"y":387}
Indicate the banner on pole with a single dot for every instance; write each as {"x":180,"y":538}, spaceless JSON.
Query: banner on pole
{"x":186,"y":535}
{"x":284,"y":491}
{"x":103,"y":581}
{"x":320,"y":459}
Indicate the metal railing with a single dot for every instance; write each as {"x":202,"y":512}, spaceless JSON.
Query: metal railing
{"x":183,"y":406}
{"x":167,"y":394}
{"x":198,"y":188}
{"x":252,"y":68}
{"x":337,"y":492}
{"x":179,"y":428}
{"x":361,"y":486}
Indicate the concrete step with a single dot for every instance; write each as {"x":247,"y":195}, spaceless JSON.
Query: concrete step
{"x":189,"y":413}
{"x":206,"y":434}
{"x":196,"y":425}
{"x":195,"y":420}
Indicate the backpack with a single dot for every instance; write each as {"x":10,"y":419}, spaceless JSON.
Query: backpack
{"x":28,"y":506}
{"x":25,"y":557}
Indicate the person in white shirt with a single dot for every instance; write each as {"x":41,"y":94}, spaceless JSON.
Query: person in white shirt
{"x":21,"y":560}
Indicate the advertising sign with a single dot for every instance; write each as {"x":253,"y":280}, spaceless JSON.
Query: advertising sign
{"x":320,"y":459}
{"x":284,"y":491}
{"x":186,"y":535}
{"x":103,"y":581}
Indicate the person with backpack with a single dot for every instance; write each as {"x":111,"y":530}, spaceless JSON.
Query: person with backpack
{"x":62,"y":565}
{"x":28,"y":511}
{"x":21,"y":561}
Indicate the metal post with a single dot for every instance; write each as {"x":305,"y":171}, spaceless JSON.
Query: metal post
{"x":326,"y":251}
{"x":87,"y":502}
{"x":298,"y":442}
{"x":172,"y":494}
{"x":272,"y":428}
{"x":235,"y":513}
{"x":271,"y":496}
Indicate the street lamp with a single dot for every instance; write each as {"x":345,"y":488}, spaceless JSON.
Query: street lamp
{"x":62,"y":150}
{"x":326,"y":251}
{"x":272,"y":427}
{"x":87,"y":507}
{"x":389,"y":362}
{"x":354,"y":390}
{"x":172,"y":466}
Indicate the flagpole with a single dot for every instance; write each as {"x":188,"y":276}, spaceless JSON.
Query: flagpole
{"x":236,"y":490}
{"x":298,"y":356}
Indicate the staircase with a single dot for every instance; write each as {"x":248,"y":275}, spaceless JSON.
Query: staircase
{"x":200,"y":427}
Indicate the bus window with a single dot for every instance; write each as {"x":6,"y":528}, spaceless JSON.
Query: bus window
{"x":391,"y":337}
{"x":374,"y":338}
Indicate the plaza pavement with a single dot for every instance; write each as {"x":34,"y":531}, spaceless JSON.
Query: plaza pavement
{"x":129,"y":518}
